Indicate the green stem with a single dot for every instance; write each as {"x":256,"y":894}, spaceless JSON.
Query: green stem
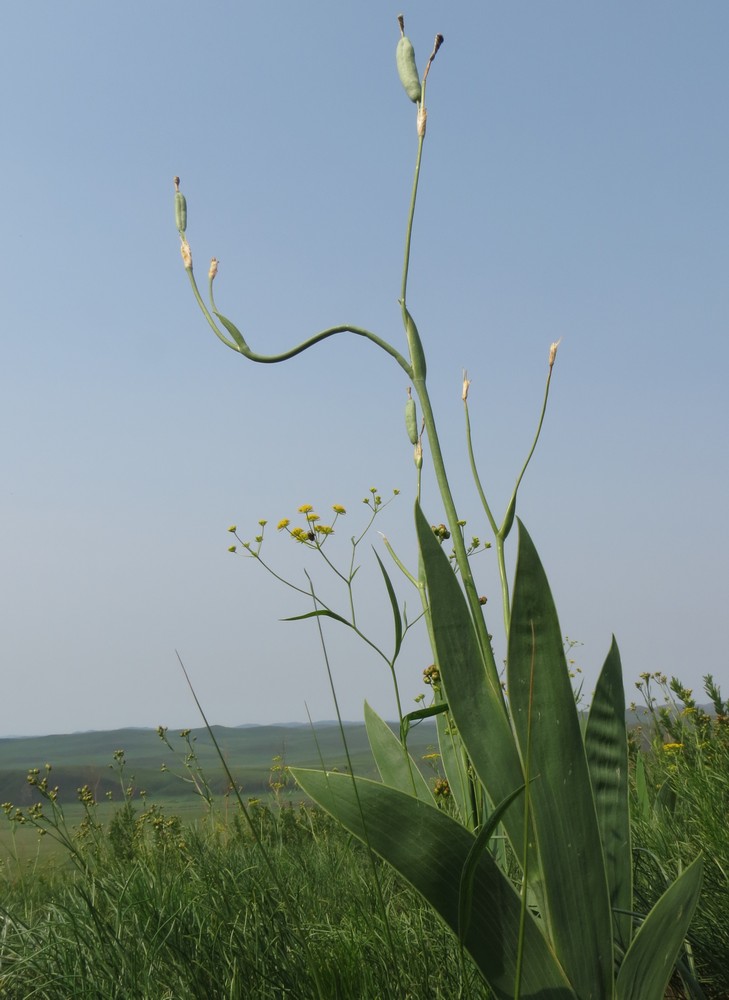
{"x":504,"y":579}
{"x":509,"y":515}
{"x":271,"y":359}
{"x":206,"y":314}
{"x":502,"y":533}
{"x":418,"y":368}
{"x":370,"y":851}
{"x":238,"y":342}
{"x":458,"y":542}
{"x":411,"y":216}
{"x":474,"y":472}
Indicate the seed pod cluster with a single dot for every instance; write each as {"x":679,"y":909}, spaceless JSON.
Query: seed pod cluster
{"x":407,"y":70}
{"x":411,"y":419}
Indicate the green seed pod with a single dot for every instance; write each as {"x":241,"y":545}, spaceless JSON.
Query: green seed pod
{"x":411,"y":419}
{"x":406,"y":68}
{"x":180,"y":211}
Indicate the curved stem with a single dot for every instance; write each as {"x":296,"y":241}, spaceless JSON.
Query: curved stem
{"x":206,"y":314}
{"x":271,"y":359}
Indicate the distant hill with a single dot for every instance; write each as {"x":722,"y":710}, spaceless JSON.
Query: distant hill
{"x":87,"y":758}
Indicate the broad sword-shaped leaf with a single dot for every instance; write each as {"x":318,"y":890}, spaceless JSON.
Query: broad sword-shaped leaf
{"x":606,"y":745}
{"x":472,"y":690}
{"x":431,"y":852}
{"x":651,"y":957}
{"x":396,"y":766}
{"x":575,"y":890}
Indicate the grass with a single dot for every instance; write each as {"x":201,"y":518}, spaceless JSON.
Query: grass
{"x":177,"y":899}
{"x":197,"y":914}
{"x":680,"y":809}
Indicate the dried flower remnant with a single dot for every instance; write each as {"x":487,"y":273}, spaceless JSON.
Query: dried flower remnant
{"x":553,"y":351}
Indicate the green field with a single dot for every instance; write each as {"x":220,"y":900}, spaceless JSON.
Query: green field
{"x":168,"y":895}
{"x":254,"y":754}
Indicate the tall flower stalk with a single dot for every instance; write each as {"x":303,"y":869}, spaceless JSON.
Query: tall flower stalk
{"x":521,"y":767}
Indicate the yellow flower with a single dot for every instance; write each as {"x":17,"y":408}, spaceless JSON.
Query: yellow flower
{"x":312,"y":517}
{"x":324,"y":529}
{"x":338,"y":509}
{"x":283,"y":523}
{"x":299,"y":534}
{"x":670,"y":747}
{"x":305,"y":508}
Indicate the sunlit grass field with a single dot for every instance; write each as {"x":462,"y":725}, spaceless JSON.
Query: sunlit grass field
{"x":175,"y":895}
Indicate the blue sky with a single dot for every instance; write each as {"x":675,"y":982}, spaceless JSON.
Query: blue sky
{"x":573,"y":185}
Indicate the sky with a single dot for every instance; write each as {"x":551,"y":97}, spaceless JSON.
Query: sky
{"x":573,"y":186}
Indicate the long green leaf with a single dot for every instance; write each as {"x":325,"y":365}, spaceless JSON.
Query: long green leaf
{"x":606,"y":745}
{"x":561,"y":800}
{"x":397,"y":617}
{"x":480,"y":844}
{"x":430,"y":851}
{"x":474,"y":694}
{"x":396,"y":766}
{"x":648,"y":964}
{"x":418,"y":715}
{"x":323,"y":613}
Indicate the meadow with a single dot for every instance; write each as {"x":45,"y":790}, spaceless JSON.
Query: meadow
{"x":172,"y":893}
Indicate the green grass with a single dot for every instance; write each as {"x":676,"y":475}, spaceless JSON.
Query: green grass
{"x":680,"y":810}
{"x":200,"y":915}
{"x":167,"y":898}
